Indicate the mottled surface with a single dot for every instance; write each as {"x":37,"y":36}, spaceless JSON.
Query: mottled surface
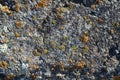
{"x":60,"y":39}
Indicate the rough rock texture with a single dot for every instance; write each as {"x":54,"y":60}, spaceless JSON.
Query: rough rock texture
{"x":60,"y":39}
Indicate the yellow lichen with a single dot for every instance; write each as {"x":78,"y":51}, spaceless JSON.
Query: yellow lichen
{"x":21,"y":50}
{"x":54,"y":21}
{"x":112,"y":31}
{"x":45,"y":51}
{"x":52,"y":43}
{"x":50,"y":1}
{"x":15,"y":49}
{"x":86,"y":48}
{"x":12,"y":75}
{"x":17,"y":7}
{"x":74,"y":48}
{"x":86,"y":33}
{"x":5,"y":9}
{"x":28,"y":59}
{"x":4,"y":40}
{"x":80,"y":64}
{"x":34,"y":18}
{"x":63,"y":9}
{"x":62,"y":47}
{"x":65,"y":37}
{"x":35,"y":66}
{"x":36,"y":53}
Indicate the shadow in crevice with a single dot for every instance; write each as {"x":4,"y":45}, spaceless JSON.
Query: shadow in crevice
{"x":86,"y":3}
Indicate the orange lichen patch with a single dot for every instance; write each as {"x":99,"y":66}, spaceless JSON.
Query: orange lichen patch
{"x":17,"y":34}
{"x":85,"y":38}
{"x":93,"y":7}
{"x":43,"y":3}
{"x":84,"y":17}
{"x":59,"y":65}
{"x":4,"y":64}
{"x":36,"y":7}
{"x":17,"y":7}
{"x":80,"y":64}
{"x":116,"y":78}
{"x":4,"y":9}
{"x":57,"y":9}
{"x":18,"y":24}
{"x":100,"y":1}
{"x":59,"y":16}
{"x":100,"y":20}
{"x":33,"y":76}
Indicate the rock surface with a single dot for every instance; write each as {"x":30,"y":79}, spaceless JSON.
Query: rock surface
{"x":59,"y":39}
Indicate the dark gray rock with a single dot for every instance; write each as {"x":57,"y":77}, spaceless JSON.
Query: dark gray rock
{"x":87,"y":3}
{"x":2,"y":73}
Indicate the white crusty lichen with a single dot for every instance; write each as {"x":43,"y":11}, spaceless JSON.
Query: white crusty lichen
{"x":5,"y":29}
{"x":3,"y":48}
